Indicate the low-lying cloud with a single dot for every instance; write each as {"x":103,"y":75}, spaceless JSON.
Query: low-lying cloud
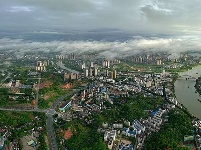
{"x":173,"y":46}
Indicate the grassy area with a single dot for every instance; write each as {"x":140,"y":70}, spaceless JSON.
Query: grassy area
{"x":50,"y":95}
{"x":83,"y":138}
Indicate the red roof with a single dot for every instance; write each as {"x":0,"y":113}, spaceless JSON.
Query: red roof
{"x":68,"y":134}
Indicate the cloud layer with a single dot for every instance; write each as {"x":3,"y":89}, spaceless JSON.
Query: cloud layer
{"x":110,"y":50}
{"x":146,"y":16}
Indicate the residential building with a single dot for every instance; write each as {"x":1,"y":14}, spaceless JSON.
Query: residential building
{"x":65,"y":105}
{"x":110,"y":135}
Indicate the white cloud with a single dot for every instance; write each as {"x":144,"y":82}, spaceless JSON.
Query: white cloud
{"x":15,"y":9}
{"x":106,"y":49}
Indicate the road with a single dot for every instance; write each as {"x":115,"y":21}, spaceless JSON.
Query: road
{"x":49,"y":113}
{"x":50,"y":132}
{"x":37,"y":89}
{"x":49,"y":122}
{"x":24,"y":110}
{"x":37,"y":92}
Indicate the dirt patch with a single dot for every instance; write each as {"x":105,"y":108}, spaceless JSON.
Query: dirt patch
{"x":66,"y":86}
{"x":49,"y":95}
{"x":125,"y":141}
{"x":68,"y":134}
{"x":44,"y":84}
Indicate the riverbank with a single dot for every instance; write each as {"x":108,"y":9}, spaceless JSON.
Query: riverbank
{"x":198,"y":85}
{"x":185,"y":91}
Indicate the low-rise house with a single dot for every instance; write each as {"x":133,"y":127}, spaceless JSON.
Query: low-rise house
{"x":128,"y":132}
{"x":198,"y":142}
{"x":137,"y":125}
{"x":32,"y":143}
{"x":110,"y":135}
{"x":124,"y":146}
{"x":119,"y":126}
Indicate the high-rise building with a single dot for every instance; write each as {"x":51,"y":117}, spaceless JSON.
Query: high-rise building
{"x":108,"y":64}
{"x":95,"y":71}
{"x":103,"y":63}
{"x":83,"y":66}
{"x":114,"y":74}
{"x":90,"y":72}
{"x":111,"y":74}
{"x":41,"y":65}
{"x":92,"y":64}
{"x":66,"y":76}
{"x":70,"y":76}
{"x":74,"y":76}
{"x":60,"y":57}
{"x":158,"y":62}
{"x":106,"y":73}
{"x":86,"y":73}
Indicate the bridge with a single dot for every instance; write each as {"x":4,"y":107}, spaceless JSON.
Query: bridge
{"x":187,"y":77}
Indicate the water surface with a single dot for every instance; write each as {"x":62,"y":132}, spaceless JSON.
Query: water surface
{"x":185,"y":91}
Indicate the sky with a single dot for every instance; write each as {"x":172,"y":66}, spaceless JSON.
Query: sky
{"x":142,"y":16}
{"x":173,"y":26}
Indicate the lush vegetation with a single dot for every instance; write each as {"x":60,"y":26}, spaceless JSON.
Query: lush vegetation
{"x":21,"y":123}
{"x":14,"y":118}
{"x":198,"y":85}
{"x":15,"y":99}
{"x":42,"y":143}
{"x":130,"y":108}
{"x":171,"y":133}
{"x":84,"y":137}
{"x":3,"y":97}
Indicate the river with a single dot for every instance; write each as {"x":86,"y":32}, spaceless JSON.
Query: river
{"x":185,"y":91}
